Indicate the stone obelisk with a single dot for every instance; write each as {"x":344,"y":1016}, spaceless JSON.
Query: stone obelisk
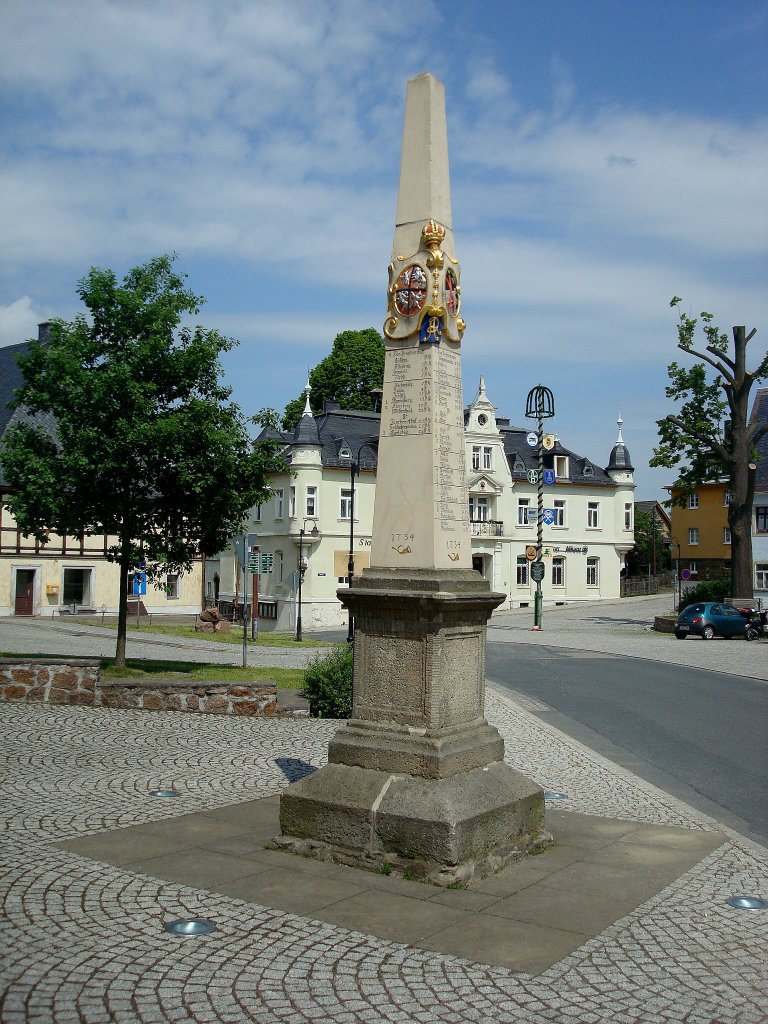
{"x":416,"y":777}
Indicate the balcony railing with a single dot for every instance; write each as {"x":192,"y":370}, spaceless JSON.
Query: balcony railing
{"x":486,"y":528}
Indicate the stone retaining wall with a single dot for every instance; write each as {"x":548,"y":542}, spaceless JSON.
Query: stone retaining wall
{"x":76,"y":681}
{"x":53,"y":681}
{"x":206,"y":698}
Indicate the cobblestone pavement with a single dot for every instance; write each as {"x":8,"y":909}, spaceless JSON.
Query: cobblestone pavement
{"x":85,"y":943}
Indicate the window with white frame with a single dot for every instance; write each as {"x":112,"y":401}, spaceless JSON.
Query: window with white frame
{"x":561,"y":467}
{"x":693,"y":500}
{"x":279,"y":500}
{"x":693,"y":569}
{"x":593,"y":515}
{"x":761,"y":576}
{"x":345,"y":503}
{"x":726,"y":498}
{"x":693,"y":535}
{"x":487,"y":457}
{"x":726,"y":535}
{"x":292,"y":503}
{"x":475,"y":456}
{"x":558,"y":507}
{"x":172,"y":586}
{"x":558,"y":571}
{"x":593,"y":572}
{"x":523,"y":505}
{"x":628,"y":515}
{"x":522,"y":572}
{"x":478,"y":508}
{"x":311,"y":501}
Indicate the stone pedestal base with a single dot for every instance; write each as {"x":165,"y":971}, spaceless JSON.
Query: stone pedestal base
{"x":441,"y":830}
{"x":416,"y":779}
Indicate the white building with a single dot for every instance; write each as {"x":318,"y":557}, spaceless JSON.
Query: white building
{"x":592,"y":513}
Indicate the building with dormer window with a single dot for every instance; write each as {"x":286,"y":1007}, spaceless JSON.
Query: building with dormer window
{"x":589,"y":518}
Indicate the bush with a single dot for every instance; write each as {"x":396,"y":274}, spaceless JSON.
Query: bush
{"x":707,"y":590}
{"x":328,"y":683}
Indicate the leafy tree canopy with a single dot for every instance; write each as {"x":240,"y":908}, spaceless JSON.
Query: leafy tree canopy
{"x":711,"y":436}
{"x":147,"y":447}
{"x":353,"y":369}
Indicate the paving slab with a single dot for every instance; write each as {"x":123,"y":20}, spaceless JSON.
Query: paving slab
{"x":592,"y":877}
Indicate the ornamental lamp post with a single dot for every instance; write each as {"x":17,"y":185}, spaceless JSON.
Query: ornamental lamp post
{"x":540,"y":405}
{"x":354,"y":470}
{"x":314,"y":532}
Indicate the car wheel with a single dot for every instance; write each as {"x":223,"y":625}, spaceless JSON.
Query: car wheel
{"x":707,"y":633}
{"x":681,"y":636}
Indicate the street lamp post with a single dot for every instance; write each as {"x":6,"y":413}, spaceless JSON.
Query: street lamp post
{"x":314,"y":532}
{"x":674,"y":542}
{"x":540,"y":405}
{"x":354,"y":470}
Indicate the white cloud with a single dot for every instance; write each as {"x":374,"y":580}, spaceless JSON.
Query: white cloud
{"x":18,"y":321}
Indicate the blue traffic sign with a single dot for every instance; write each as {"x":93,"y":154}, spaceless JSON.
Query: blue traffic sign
{"x":140,"y":584}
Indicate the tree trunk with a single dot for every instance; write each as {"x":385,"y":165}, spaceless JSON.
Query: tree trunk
{"x":740,"y":522}
{"x":122,"y":613}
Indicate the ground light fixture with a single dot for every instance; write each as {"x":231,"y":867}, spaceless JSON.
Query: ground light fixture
{"x":555,"y":796}
{"x":165,"y":793}
{"x":747,"y":903}
{"x":189,"y":926}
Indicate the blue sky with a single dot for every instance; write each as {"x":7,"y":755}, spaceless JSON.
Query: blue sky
{"x":604,"y":157}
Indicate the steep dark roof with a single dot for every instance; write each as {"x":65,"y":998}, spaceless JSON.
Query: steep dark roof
{"x":760,"y":413}
{"x":522,"y":458}
{"x":337,"y":431}
{"x":10,"y":380}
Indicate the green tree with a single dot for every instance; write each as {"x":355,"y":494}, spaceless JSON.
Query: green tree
{"x":699,"y":444}
{"x":649,"y":549}
{"x":353,"y":369}
{"x":147,"y":448}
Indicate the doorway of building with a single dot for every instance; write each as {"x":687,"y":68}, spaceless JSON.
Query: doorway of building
{"x":25,"y":592}
{"x":478,"y":563}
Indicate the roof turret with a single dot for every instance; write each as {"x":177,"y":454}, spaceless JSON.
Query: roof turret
{"x":620,"y":457}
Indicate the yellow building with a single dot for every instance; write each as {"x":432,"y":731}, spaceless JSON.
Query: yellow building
{"x":701,"y":538}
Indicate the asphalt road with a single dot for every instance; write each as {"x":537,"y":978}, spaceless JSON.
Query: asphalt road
{"x":697,"y":734}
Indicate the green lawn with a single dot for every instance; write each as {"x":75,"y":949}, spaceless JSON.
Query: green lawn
{"x":140,"y":668}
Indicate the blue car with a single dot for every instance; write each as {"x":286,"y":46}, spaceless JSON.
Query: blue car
{"x":708,"y":619}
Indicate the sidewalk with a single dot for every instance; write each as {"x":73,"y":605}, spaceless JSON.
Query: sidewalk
{"x":625,"y":920}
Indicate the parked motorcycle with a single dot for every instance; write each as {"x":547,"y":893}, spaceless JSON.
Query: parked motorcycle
{"x":757,"y":623}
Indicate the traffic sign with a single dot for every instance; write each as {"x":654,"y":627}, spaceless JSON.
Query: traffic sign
{"x":537,"y":571}
{"x":260,"y":562}
{"x":548,"y":442}
{"x":549,"y":477}
{"x":548,"y":516}
{"x":140,"y":584}
{"x":533,"y":476}
{"x":532,"y":438}
{"x":685,"y":574}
